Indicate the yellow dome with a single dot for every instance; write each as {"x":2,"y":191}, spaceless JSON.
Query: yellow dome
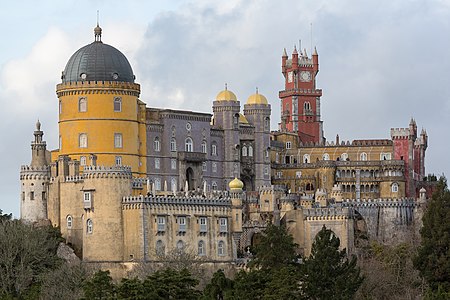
{"x":242,"y":119}
{"x":226,"y":95}
{"x":257,"y":99}
{"x":236,"y":184}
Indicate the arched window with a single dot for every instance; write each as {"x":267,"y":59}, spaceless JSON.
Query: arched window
{"x":89,"y":226}
{"x":188,"y":145}
{"x":83,"y":140}
{"x":82,"y":160}
{"x":117,"y":104}
{"x":157,"y":184}
{"x":69,"y":221}
{"x":344,"y":156}
{"x":201,"y":248}
{"x":221,"y":248}
{"x":173,"y":184}
{"x":395,"y":187}
{"x":250,"y":151}
{"x":173,"y":144}
{"x":117,"y":140}
{"x":363,"y":156}
{"x":307,"y":106}
{"x":266,"y":124}
{"x":160,"y":248}
{"x":306,"y":159}
{"x":180,"y":245}
{"x":156,"y":144}
{"x":325,"y":156}
{"x":236,"y":119}
{"x":214,"y":149}
{"x":244,"y":150}
{"x":82,"y":104}
{"x":214,"y":186}
{"x":204,"y":147}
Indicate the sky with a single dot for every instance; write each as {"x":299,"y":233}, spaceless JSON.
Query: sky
{"x":381,"y":63}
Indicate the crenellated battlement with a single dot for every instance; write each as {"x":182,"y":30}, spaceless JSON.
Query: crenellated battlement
{"x":399,"y":133}
{"x":34,"y":172}
{"x":27,"y":168}
{"x":176,"y":201}
{"x":138,"y":183}
{"x":401,"y":202}
{"x":78,"y":178}
{"x":334,"y":213}
{"x":91,"y":172}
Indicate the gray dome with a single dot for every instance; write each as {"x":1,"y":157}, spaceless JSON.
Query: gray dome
{"x":98,"y":62}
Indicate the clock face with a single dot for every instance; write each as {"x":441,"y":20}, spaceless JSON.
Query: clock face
{"x":305,"y":76}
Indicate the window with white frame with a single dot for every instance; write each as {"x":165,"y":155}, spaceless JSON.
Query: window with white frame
{"x":157,"y":184}
{"x":87,"y":197}
{"x":188,"y":145}
{"x":223,"y":225}
{"x":279,"y":174}
{"x":244,"y":150}
{"x":298,"y":174}
{"x":221,"y":248}
{"x":118,"y":140}
{"x":118,"y":160}
{"x":363,"y":156}
{"x":214,"y":149}
{"x":173,"y":184}
{"x":203,"y":222}
{"x":156,"y":144}
{"x":204,"y":166}
{"x":214,"y":167}
{"x":266,"y":170}
{"x":288,"y":145}
{"x":344,"y":156}
{"x":201,"y":248}
{"x":157,"y":163}
{"x":89,"y":226}
{"x":83,"y":140}
{"x":395,"y":187}
{"x":173,"y":164}
{"x":214,"y":186}
{"x":160,"y":248}
{"x":82,"y":104}
{"x":69,"y":221}
{"x":250,"y":151}
{"x":117,"y":104}
{"x":306,"y":159}
{"x":161,"y":223}
{"x":385,"y":156}
{"x":325,"y":156}
{"x":182,"y":224}
{"x":173,"y":144}
{"x":82,"y":160}
{"x":204,"y":147}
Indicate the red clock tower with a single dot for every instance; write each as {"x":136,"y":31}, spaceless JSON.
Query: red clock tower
{"x":300,"y":100}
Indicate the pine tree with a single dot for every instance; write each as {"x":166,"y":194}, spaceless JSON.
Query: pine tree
{"x":328,"y":273}
{"x":433,"y":258}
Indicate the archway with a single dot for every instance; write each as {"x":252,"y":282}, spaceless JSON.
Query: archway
{"x":190,"y":178}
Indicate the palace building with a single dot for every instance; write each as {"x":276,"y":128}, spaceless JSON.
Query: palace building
{"x":132,"y":183}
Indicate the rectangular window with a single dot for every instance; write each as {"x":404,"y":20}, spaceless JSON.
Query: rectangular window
{"x":214,"y":149}
{"x":288,"y":145}
{"x":44,"y":196}
{"x":214,"y":167}
{"x":203,"y":221}
{"x":31,"y":195}
{"x":60,"y":106}
{"x":23,"y":196}
{"x":118,"y":160}
{"x":87,"y":197}
{"x":161,"y":223}
{"x":117,"y":140}
{"x":82,"y":160}
{"x":223,"y":228}
{"x":279,"y":174}
{"x":173,"y":164}
{"x":117,"y":104}
{"x":298,"y":174}
{"x":204,"y":166}
{"x":182,"y":224}
{"x":157,"y":163}
{"x":266,"y":171}
{"x":83,"y":140}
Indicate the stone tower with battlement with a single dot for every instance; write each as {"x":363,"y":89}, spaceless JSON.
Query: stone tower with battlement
{"x":300,"y":99}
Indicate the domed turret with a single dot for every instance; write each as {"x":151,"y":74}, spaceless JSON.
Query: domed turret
{"x":98,"y":62}
{"x":235,"y":185}
{"x":257,"y":98}
{"x":226,"y":95}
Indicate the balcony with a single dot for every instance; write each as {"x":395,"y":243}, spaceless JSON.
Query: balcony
{"x":191,"y":156}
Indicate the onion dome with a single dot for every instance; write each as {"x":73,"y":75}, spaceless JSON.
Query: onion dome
{"x":98,"y":62}
{"x":242,"y":119}
{"x":226,"y":95}
{"x":235,"y":185}
{"x":257,"y":98}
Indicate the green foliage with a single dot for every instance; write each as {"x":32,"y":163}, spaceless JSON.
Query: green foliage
{"x":433,"y":258}
{"x":219,"y":288}
{"x":171,"y":284}
{"x":26,"y":255}
{"x":328,"y":273}
{"x":130,"y":289}
{"x":99,"y":286}
{"x":250,"y":285}
{"x":275,"y":250}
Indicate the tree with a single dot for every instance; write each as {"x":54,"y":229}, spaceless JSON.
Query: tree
{"x":275,"y":250}
{"x":64,"y":283}
{"x":327,"y":273}
{"x":171,"y":284}
{"x":219,"y":288}
{"x":26,"y":255}
{"x":433,"y":257}
{"x":99,"y":286}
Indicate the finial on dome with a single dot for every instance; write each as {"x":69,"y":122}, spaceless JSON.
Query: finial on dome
{"x":98,"y":31}
{"x":38,"y":125}
{"x":256,"y":90}
{"x":226,"y":86}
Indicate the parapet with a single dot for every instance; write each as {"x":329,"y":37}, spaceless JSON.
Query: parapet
{"x":107,"y":172}
{"x":34,"y":172}
{"x":130,"y":201}
{"x":382,"y":202}
{"x":330,"y":213}
{"x":399,"y":133}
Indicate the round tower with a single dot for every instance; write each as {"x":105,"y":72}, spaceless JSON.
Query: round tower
{"x":100,"y":114}
{"x":34,"y":179}
{"x":257,"y":112}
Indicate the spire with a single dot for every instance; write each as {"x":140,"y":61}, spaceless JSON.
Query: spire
{"x":315,"y":51}
{"x":38,"y":125}
{"x":295,"y":50}
{"x":284,"y":52}
{"x":304,"y":52}
{"x":98,"y":32}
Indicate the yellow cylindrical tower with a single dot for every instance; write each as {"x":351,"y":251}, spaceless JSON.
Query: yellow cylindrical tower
{"x":100,"y":115}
